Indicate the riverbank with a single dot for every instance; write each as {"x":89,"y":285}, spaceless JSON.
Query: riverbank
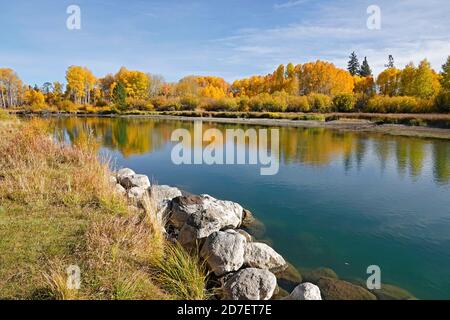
{"x":411,"y":125}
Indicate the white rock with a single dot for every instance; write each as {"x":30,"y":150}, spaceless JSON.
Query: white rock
{"x":260,"y":255}
{"x":136,"y":180}
{"x":224,"y":251}
{"x":136,"y":196}
{"x":113,"y":180}
{"x":250,"y":284}
{"x":305,"y":291}
{"x":120,"y":190}
{"x":122,"y":173}
{"x":162,"y":197}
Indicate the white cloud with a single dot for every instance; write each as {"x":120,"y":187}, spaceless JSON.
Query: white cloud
{"x":289,"y":4}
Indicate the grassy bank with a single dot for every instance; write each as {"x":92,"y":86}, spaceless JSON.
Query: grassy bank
{"x":432,"y":120}
{"x":58,"y":208}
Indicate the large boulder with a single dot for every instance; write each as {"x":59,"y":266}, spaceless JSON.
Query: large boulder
{"x":120,"y":190}
{"x":203,"y":215}
{"x":305,"y":291}
{"x":224,"y":251}
{"x":136,"y":180}
{"x":183,"y":207}
{"x":137,"y":195}
{"x":125,"y":172}
{"x":334,"y":289}
{"x":162,"y":196}
{"x":250,"y":284}
{"x":260,"y":255}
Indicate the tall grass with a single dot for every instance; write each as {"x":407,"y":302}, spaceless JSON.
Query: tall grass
{"x":58,"y":208}
{"x":178,"y":268}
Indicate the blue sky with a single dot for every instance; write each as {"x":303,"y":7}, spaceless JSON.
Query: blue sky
{"x":232,"y":39}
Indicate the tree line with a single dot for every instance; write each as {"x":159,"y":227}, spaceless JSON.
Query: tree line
{"x":317,"y":86}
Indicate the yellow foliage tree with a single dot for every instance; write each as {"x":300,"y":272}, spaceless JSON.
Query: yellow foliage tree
{"x":388,"y":82}
{"x":136,"y":83}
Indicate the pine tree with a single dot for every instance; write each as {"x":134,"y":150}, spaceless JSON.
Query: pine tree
{"x":120,"y":95}
{"x":365,"y":70}
{"x":390,"y":63}
{"x":445,"y":80}
{"x":353,"y":64}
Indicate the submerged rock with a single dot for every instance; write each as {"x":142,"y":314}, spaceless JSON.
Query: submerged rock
{"x":391,"y":292}
{"x":314,"y":275}
{"x":334,"y":289}
{"x":224,"y":251}
{"x":289,"y":278}
{"x":250,"y":284}
{"x":260,"y":255}
{"x":305,"y":291}
{"x":252,"y":225}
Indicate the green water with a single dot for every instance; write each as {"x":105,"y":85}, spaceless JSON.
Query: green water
{"x":340,"y":200}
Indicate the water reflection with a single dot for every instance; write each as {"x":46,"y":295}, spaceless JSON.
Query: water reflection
{"x":309,"y":146}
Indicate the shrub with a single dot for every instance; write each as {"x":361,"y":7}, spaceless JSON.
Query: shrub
{"x":67,"y":105}
{"x":222,"y":104}
{"x":298,"y":104}
{"x":319,"y":102}
{"x":266,"y":102}
{"x":344,"y":102}
{"x":139,"y":104}
{"x":172,"y":104}
{"x":442,"y":101}
{"x":101,"y":103}
{"x":189,"y":103}
{"x":243,"y":104}
{"x":399,"y":104}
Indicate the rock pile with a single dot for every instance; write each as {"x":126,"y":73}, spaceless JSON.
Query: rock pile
{"x":217,"y":228}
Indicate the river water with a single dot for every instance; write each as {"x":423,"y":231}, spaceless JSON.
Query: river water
{"x":342,"y":200}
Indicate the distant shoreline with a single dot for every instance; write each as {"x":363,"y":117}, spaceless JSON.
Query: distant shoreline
{"x":344,"y":122}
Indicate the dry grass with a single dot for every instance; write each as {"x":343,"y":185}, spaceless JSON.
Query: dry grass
{"x":58,"y":208}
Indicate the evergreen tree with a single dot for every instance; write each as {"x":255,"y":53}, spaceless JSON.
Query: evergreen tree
{"x":445,"y":80}
{"x":120,"y":95}
{"x":365,"y":70}
{"x":390,"y":63}
{"x":353,"y":64}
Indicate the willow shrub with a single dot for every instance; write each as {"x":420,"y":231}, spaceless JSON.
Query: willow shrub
{"x":344,"y":102}
{"x":442,"y":101}
{"x":398,"y":104}
{"x":266,"y":102}
{"x":222,"y":104}
{"x":298,"y":104}
{"x":319,"y":102}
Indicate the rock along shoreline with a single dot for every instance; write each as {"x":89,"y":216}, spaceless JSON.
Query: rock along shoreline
{"x":223,"y":233}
